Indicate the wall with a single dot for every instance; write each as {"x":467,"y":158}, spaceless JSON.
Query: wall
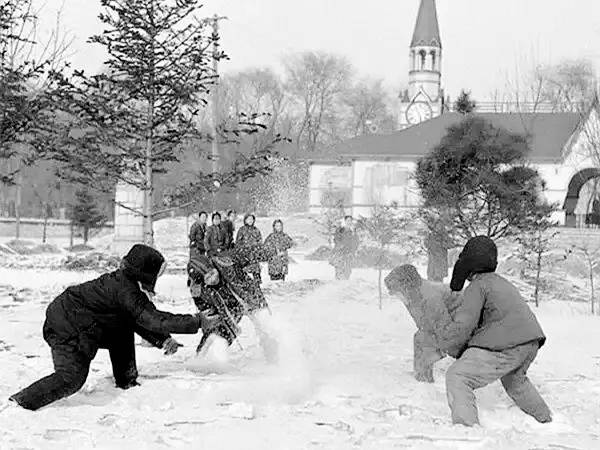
{"x":324,"y":177}
{"x":381,"y":182}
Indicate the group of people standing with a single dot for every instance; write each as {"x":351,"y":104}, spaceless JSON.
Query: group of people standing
{"x":211,"y":240}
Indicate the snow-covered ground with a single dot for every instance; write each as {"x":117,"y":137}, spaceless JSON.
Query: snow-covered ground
{"x":344,"y":380}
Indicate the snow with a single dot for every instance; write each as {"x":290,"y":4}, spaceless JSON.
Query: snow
{"x":343,"y":380}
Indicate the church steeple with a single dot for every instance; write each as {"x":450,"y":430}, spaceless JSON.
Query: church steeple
{"x":424,"y":98}
{"x":427,"y":31}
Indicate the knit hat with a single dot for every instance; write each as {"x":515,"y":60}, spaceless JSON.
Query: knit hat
{"x":403,"y":278}
{"x":480,"y":255}
{"x":143,"y":264}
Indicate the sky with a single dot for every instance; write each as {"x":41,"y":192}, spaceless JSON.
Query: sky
{"x":485,"y":42}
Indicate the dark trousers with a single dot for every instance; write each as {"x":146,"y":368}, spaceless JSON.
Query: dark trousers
{"x":478,"y":367}
{"x":71,"y":368}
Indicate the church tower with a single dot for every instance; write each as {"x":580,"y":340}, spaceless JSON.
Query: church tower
{"x":424,"y":98}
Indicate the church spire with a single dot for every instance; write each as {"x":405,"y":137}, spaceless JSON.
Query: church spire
{"x":427,"y":31}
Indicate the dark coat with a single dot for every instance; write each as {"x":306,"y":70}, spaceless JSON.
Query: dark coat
{"x":91,"y":315}
{"x":247,"y":237}
{"x":215,"y":240}
{"x":279,"y":243}
{"x":229,"y":228}
{"x":235,"y":294}
{"x":197,"y":234}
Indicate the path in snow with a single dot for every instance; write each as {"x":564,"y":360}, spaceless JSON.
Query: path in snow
{"x":345,"y":380}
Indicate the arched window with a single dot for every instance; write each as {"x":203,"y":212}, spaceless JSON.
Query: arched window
{"x":433,"y":60}
{"x":423,"y":56}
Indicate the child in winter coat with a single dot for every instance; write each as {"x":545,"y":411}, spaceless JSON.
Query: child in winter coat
{"x":428,"y":303}
{"x":215,"y":239}
{"x":223,"y":290}
{"x":197,"y":234}
{"x":105,"y":313}
{"x":500,"y":334}
{"x":280,"y":243}
{"x":345,"y":246}
{"x":249,"y":236}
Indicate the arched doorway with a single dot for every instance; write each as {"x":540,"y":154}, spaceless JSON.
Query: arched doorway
{"x":572,"y":202}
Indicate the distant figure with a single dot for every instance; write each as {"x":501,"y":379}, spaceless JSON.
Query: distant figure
{"x":105,"y":313}
{"x":229,"y":226}
{"x":345,"y":245}
{"x":250,"y":236}
{"x":280,"y":243}
{"x":197,"y":234}
{"x":215,"y":240}
{"x":429,"y":304}
{"x":500,"y":335}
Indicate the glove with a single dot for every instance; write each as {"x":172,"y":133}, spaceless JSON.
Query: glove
{"x":170,"y":346}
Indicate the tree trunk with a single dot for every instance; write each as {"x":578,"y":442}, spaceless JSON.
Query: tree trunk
{"x":148,"y":185}
{"x":45,"y":224}
{"x":86,"y":234}
{"x":592,"y":285}
{"x":537,"y":278}
{"x":380,"y":291}
{"x":18,"y":203}
{"x":71,"y":233}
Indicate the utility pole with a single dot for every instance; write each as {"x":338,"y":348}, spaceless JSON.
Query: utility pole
{"x":215,"y":102}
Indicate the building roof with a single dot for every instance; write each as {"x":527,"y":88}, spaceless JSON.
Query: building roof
{"x":427,"y":31}
{"x":549,"y":134}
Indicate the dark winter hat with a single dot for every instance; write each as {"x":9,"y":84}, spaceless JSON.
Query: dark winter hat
{"x":143,"y":264}
{"x":480,"y":255}
{"x":216,"y":215}
{"x":403,"y":278}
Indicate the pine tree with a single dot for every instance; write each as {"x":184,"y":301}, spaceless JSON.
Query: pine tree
{"x":85,"y":213}
{"x":535,"y":241}
{"x":385,"y":227}
{"x":464,"y":104}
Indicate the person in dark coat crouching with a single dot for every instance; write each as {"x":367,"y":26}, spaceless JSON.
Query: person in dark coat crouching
{"x":105,"y":313}
{"x":500,"y":334}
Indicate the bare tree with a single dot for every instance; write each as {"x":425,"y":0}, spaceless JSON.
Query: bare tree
{"x":368,"y":108}
{"x":316,"y":80}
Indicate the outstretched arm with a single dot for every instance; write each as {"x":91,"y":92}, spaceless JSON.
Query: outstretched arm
{"x":456,"y":333}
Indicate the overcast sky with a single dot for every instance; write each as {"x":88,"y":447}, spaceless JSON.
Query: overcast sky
{"x":484,"y":40}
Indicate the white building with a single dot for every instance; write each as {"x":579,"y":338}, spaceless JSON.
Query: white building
{"x":376,"y":169}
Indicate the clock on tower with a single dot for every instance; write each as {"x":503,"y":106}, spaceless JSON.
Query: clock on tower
{"x":418,"y":112}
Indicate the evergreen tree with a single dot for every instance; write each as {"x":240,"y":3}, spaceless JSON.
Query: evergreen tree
{"x":476,"y":179}
{"x":535,"y":241}
{"x":85,"y":213}
{"x":133,"y":119}
{"x":464,"y":104}
{"x":26,"y":119}
{"x":385,"y":227}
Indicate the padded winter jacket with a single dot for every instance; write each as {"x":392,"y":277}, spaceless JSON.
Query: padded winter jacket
{"x":229,"y":228}
{"x":215,"y":240}
{"x":95,"y":314}
{"x":492,"y":316}
{"x":197,"y":233}
{"x":249,"y":236}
